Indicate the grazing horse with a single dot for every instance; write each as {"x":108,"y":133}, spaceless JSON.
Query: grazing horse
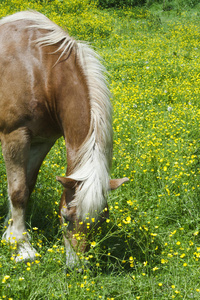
{"x":53,"y":86}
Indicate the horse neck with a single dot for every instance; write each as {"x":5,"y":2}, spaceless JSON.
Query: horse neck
{"x":73,"y":106}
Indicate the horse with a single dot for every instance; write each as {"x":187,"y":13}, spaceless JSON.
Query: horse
{"x":51,"y":86}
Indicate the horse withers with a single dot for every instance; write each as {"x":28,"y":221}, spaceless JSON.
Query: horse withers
{"x":53,"y":86}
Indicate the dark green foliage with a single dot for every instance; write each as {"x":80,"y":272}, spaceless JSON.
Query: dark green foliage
{"x":167,"y":4}
{"x":119,"y":3}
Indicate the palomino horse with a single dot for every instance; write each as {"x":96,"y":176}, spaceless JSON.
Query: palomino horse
{"x":51,"y":86}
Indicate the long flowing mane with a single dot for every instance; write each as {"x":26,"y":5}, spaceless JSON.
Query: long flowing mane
{"x":93,"y":161}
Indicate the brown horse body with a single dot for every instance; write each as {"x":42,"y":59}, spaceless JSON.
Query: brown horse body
{"x":52,"y":86}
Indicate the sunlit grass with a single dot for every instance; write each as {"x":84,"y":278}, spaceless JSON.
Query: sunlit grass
{"x":149,"y":248}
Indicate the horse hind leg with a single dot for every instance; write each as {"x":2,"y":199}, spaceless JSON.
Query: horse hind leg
{"x":15,"y":148}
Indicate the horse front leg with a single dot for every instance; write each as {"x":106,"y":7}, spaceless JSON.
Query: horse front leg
{"x":15,"y":148}
{"x":75,"y":239}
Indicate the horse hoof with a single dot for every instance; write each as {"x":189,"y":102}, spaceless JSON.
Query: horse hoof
{"x":25,"y":253}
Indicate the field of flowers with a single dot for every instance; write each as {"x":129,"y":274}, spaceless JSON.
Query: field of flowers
{"x":149,"y":248}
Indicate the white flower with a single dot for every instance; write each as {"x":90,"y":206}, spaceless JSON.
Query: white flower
{"x":169,"y":108}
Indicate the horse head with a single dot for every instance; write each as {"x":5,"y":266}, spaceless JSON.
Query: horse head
{"x":68,"y":211}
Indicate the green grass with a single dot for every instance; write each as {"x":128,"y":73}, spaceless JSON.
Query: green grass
{"x":150,"y":247}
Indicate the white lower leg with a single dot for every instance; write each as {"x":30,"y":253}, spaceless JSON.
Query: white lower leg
{"x":16,"y":227}
{"x":71,"y":256}
{"x":16,"y":232}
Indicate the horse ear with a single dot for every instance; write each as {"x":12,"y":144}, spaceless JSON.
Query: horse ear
{"x":115,"y":183}
{"x":67,"y":182}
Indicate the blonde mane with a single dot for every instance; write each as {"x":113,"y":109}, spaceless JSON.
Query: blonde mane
{"x":93,"y":160}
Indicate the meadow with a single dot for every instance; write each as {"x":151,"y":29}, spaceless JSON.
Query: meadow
{"x":149,"y":248}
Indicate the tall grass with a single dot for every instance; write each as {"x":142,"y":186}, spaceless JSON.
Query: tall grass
{"x":149,"y":248}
